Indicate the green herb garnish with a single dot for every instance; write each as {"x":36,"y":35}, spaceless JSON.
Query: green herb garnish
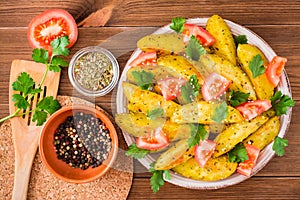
{"x":178,"y":24}
{"x":240,"y":39}
{"x":280,"y":103}
{"x":198,"y":132}
{"x":155,"y":113}
{"x":143,"y":79}
{"x":157,"y":179}
{"x":136,"y":152}
{"x":220,"y":112}
{"x":237,"y":98}
{"x":194,"y":49}
{"x":256,"y":66}
{"x":279,"y":144}
{"x":190,"y":90}
{"x":238,"y":153}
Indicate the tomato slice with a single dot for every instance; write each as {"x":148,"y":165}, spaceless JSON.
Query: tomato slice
{"x":205,"y":38}
{"x":50,"y":25}
{"x":214,"y":86}
{"x":245,"y":168}
{"x":145,"y":58}
{"x":252,"y":109}
{"x":204,"y":151}
{"x":274,"y":69}
{"x":156,"y":140}
{"x":170,"y":87}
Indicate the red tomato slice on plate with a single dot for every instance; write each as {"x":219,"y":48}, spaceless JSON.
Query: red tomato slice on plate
{"x":145,"y":58}
{"x":245,"y":168}
{"x":204,"y":151}
{"x":214,"y":86}
{"x":156,"y":140}
{"x":50,"y":25}
{"x":205,"y":38}
{"x":251,"y":109}
{"x":170,"y":87}
{"x":274,"y":69}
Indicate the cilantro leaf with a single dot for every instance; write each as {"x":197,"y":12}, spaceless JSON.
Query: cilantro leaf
{"x":280,"y":103}
{"x":279,"y":144}
{"x":20,"y":101}
{"x":190,"y":90}
{"x":136,"y":152}
{"x":240,"y":39}
{"x":56,"y":63}
{"x":39,"y":117}
{"x":40,"y":55}
{"x":256,"y":66}
{"x":49,"y":104}
{"x":24,"y":83}
{"x":178,"y":24}
{"x":220,"y":112}
{"x":143,"y":79}
{"x":59,"y":46}
{"x":155,"y":113}
{"x":194,"y":49}
{"x":35,"y":91}
{"x":236,"y":98}
{"x":198,"y":132}
{"x":157,"y":179}
{"x":238,"y":153}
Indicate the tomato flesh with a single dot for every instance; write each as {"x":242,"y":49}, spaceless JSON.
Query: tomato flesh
{"x":145,"y":58}
{"x":50,"y":25}
{"x":154,"y":141}
{"x":204,"y":151}
{"x":252,"y":109}
{"x":170,"y":87}
{"x":205,"y":38}
{"x":214,"y":86}
{"x":245,"y":168}
{"x":274,"y":69}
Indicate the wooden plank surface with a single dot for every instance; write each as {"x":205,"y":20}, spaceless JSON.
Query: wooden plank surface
{"x":276,"y":21}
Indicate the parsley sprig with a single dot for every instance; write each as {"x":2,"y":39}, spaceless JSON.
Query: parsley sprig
{"x":136,"y":152}
{"x":198,"y":132}
{"x":220,"y":112}
{"x":238,"y":153}
{"x":240,"y":39}
{"x":178,"y":24}
{"x":143,"y":79}
{"x":280,"y":103}
{"x":194,"y":49}
{"x":190,"y":90}
{"x":157,"y":179}
{"x":236,"y":97}
{"x":256,"y":66}
{"x":279,"y":144}
{"x":25,"y":84}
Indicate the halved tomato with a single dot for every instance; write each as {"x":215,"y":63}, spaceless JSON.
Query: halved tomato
{"x":145,"y":58}
{"x":170,"y":87}
{"x":154,"y":141}
{"x":274,"y":69}
{"x":50,"y":25}
{"x":203,"y":151}
{"x":205,"y":38}
{"x":214,"y":86}
{"x":247,"y":166}
{"x":251,"y":109}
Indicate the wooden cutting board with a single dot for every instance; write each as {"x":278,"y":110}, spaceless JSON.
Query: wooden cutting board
{"x":115,"y":184}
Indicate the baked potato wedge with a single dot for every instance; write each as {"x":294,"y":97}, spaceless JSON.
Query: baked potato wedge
{"x":224,"y":45}
{"x":215,"y":169}
{"x":239,"y":80}
{"x":263,"y":88}
{"x":178,"y":153}
{"x":265,"y":134}
{"x":143,"y":101}
{"x":236,"y":133}
{"x":165,"y":43}
{"x":202,"y":112}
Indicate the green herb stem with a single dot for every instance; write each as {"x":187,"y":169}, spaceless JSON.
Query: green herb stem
{"x":10,"y":116}
{"x":44,"y":76}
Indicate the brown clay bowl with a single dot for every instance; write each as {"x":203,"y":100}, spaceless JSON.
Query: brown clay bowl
{"x":61,"y":169}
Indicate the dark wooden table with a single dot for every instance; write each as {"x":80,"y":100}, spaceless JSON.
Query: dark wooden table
{"x":277,"y":21}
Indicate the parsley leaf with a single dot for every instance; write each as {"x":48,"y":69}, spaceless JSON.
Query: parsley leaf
{"x":59,"y":46}
{"x":157,"y":179}
{"x":40,"y":55}
{"x":143,"y":79}
{"x":24,"y":83}
{"x":256,"y":66}
{"x":238,"y":153}
{"x":280,"y":103}
{"x":279,"y":144}
{"x":20,"y":101}
{"x":236,"y":98}
{"x":190,"y":90}
{"x":194,"y":49}
{"x":178,"y":24}
{"x":56,"y":63}
{"x":136,"y":152}
{"x":220,"y":112}
{"x":155,"y":113}
{"x":240,"y":39}
{"x":39,"y":117}
{"x":198,"y":132}
{"x":49,"y":104}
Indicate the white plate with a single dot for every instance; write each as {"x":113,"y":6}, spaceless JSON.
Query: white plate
{"x":265,"y":155}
